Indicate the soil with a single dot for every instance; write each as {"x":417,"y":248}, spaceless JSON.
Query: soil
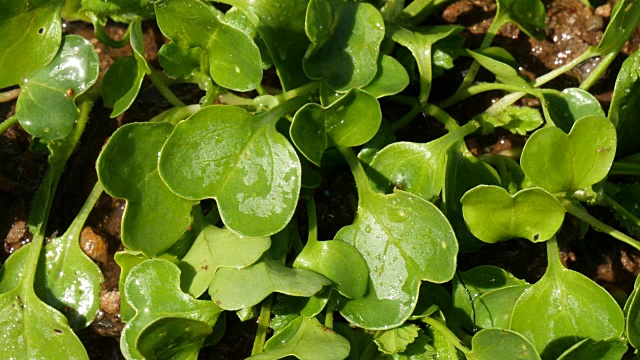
{"x":572,"y":27}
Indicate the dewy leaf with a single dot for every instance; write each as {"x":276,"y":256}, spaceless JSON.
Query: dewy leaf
{"x":305,"y":339}
{"x":173,"y":338}
{"x":404,"y":239}
{"x":624,"y":19}
{"x":234,"y":289}
{"x":234,"y":59}
{"x":215,"y":248}
{"x":498,"y":344}
{"x":31,"y":33}
{"x":529,"y":16}
{"x":563,"y":308}
{"x":390,"y":79}
{"x":625,"y":104}
{"x":396,"y":340}
{"x":123,"y":80}
{"x":120,"y":10}
{"x":501,"y":64}
{"x":350,"y":121}
{"x":493,"y":215}
{"x":559,"y":162}
{"x":241,"y":160}
{"x":611,"y":349}
{"x":566,"y":107}
{"x":518,"y":120}
{"x":154,"y":217}
{"x":416,"y":168}
{"x":70,"y":279}
{"x":46,"y":107}
{"x":420,"y":43}
{"x":344,"y":48}
{"x":153,"y":290}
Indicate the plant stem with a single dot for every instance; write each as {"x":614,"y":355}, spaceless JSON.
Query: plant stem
{"x":313,"y":219}
{"x":300,"y":91}
{"x":406,"y":119}
{"x":163,"y":88}
{"x":449,"y":123}
{"x":371,"y":350}
{"x":553,"y":255}
{"x":599,"y":225}
{"x":263,"y":325}
{"x":462,"y":94}
{"x":496,"y":24}
{"x":621,"y":209}
{"x":600,"y":69}
{"x":75,"y":228}
{"x":362,"y":181}
{"x":328,"y":319}
{"x":9,"y":95}
{"x":230,"y":98}
{"x":623,"y":168}
{"x":7,"y":124}
{"x":448,"y":334}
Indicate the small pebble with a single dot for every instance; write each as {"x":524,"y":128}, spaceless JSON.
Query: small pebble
{"x":94,"y":245}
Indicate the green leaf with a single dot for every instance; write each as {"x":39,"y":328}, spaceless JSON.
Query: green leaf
{"x":382,"y":138}
{"x":566,"y":107}
{"x":628,"y":196}
{"x":501,"y":64}
{"x":559,"y":162}
{"x":589,"y":349}
{"x":69,"y":279}
{"x":518,"y":120}
{"x":391,"y":78}
{"x":493,"y":215}
{"x":632,"y":314}
{"x":350,"y":121}
{"x":396,"y":340}
{"x":345,"y":42}
{"x":46,"y":107}
{"x":416,"y":168}
{"x":420,"y":43}
{"x":215,"y":248}
{"x":127,"y":168}
{"x":493,"y":309}
{"x":445,"y":52}
{"x":432,"y":298}
{"x":152,"y":289}
{"x":240,"y":159}
{"x":31,"y":33}
{"x":563,"y":308}
{"x":120,"y":10}
{"x":172,"y":338}
{"x":624,"y":106}
{"x":259,"y":280}
{"x":127,"y":260}
{"x":624,"y":19}
{"x":498,"y":344}
{"x":422,"y":348}
{"x":305,"y":339}
{"x":483,"y":281}
{"x":178,"y":62}
{"x":529,"y":16}
{"x":404,"y":239}
{"x":234,"y":59}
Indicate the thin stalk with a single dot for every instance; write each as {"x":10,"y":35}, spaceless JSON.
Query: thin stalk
{"x":553,"y":255}
{"x":163,"y":88}
{"x":406,"y":118}
{"x":7,"y":124}
{"x":328,"y":319}
{"x":362,"y":182}
{"x":449,"y":123}
{"x":448,"y":334}
{"x":230,"y":98}
{"x":599,"y":225}
{"x":463,"y":94}
{"x":623,"y":168}
{"x":313,"y":219}
{"x":600,"y":69}
{"x":300,"y":91}
{"x":263,"y":325}
{"x":9,"y":95}
{"x":622,"y":210}
{"x":496,"y":24}
{"x":75,"y":228}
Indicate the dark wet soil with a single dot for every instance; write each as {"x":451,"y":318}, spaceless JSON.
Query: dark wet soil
{"x":572,"y":27}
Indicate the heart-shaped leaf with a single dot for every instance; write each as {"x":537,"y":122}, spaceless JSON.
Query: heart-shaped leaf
{"x":501,"y":64}
{"x":128,"y":169}
{"x":589,"y":349}
{"x":173,"y":338}
{"x":625,"y":104}
{"x":305,"y":339}
{"x":416,"y":168}
{"x":493,"y":215}
{"x":566,"y":107}
{"x":153,"y":290}
{"x":404,"y":239}
{"x":350,"y":121}
{"x":563,"y":308}
{"x":234,"y":59}
{"x":46,"y":107}
{"x":498,"y":344}
{"x":259,"y":280}
{"x":345,"y":42}
{"x":559,"y":162}
{"x":240,"y":159}
{"x":215,"y":248}
{"x":31,"y":32}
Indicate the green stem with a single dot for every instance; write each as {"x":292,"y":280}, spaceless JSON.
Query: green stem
{"x":623,"y":168}
{"x":449,"y":123}
{"x":263,"y":325}
{"x":75,"y":228}
{"x":5,"y":125}
{"x":496,"y":24}
{"x":622,"y":210}
{"x":104,"y":38}
{"x":553,"y":255}
{"x":407,"y":118}
{"x":284,"y":108}
{"x":371,"y":350}
{"x":448,"y":334}
{"x":600,"y":69}
{"x":230,"y":98}
{"x":599,"y":225}
{"x":163,"y":88}
{"x":300,"y":91}
{"x":9,"y":95}
{"x":313,"y":219}
{"x":328,"y":319}
{"x":462,"y":94}
{"x":362,"y":181}
{"x":60,"y":152}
